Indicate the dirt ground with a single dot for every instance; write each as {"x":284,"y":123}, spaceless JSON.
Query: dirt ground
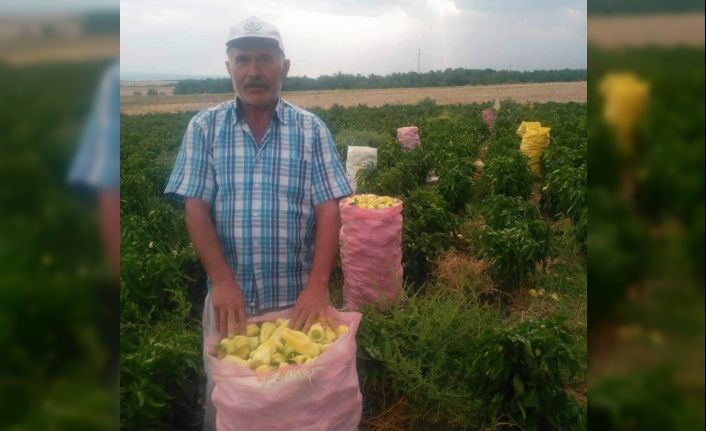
{"x":544,"y":92}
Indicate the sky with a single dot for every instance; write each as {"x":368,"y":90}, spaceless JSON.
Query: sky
{"x":321,"y":37}
{"x":55,"y":6}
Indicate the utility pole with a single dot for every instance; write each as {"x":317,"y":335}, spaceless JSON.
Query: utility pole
{"x":419,"y":61}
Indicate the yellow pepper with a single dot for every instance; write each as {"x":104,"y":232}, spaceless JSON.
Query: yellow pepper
{"x":329,"y":335}
{"x":252,"y":330}
{"x":341,"y":331}
{"x":301,"y":359}
{"x":237,"y":361}
{"x":300,"y":342}
{"x":263,"y":369}
{"x":316,"y":333}
{"x":263,"y":354}
{"x":266,"y":331}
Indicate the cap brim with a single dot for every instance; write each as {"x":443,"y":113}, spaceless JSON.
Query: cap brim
{"x":253,"y":40}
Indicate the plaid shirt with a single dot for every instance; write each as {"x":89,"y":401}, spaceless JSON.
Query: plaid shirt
{"x":262,"y":196}
{"x":96,"y":164}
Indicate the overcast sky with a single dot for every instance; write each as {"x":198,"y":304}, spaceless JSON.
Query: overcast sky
{"x":368,"y":36}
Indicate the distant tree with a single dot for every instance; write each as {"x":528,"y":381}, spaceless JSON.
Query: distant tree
{"x":152,"y":92}
{"x":434,"y":78}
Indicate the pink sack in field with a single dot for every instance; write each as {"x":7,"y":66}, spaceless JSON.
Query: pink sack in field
{"x":489,"y":117}
{"x":323,"y":395}
{"x":408,"y":137}
{"x":371,"y":254}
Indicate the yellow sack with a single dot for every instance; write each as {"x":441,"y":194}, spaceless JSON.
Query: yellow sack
{"x":625,"y":101}
{"x":534,"y":141}
{"x":527,"y":125}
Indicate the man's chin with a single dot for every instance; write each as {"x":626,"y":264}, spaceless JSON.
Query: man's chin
{"x":259,"y":102}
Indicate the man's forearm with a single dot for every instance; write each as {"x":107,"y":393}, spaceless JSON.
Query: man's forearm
{"x":205,"y":240}
{"x":109,"y":202}
{"x":328,"y":225}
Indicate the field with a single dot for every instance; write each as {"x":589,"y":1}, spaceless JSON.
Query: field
{"x":493,"y":256}
{"x":549,"y":92}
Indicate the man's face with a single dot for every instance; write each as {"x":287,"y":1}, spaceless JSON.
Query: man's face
{"x":258,"y":71}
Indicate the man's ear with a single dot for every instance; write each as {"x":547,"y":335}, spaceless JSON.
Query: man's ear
{"x":285,"y":69}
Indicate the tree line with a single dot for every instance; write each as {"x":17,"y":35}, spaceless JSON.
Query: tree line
{"x":447,"y":78}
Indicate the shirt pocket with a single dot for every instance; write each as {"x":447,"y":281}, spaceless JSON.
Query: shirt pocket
{"x":292,"y":182}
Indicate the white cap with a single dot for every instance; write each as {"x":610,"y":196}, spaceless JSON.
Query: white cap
{"x":254,"y":27}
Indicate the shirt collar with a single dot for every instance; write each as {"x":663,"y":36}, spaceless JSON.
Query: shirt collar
{"x":278,"y":114}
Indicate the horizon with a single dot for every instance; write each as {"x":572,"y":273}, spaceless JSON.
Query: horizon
{"x":171,"y":76}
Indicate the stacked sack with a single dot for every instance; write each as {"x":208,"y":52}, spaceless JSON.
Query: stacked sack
{"x":535,"y":139}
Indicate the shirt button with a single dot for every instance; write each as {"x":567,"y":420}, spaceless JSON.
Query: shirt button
{"x":252,"y":304}
{"x":256,"y":242}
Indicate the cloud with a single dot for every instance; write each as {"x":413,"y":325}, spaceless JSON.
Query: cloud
{"x":324,"y":37}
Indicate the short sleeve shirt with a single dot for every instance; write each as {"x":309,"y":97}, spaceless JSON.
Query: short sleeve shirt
{"x":97,"y":162}
{"x":262,"y":196}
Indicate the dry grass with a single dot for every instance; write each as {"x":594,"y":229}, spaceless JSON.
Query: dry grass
{"x":76,"y":49}
{"x":391,"y":418}
{"x":457,"y":272}
{"x":646,"y":30}
{"x":522,"y":93}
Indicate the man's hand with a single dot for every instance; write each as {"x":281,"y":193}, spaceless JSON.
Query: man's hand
{"x":312,"y":303}
{"x":230,"y":308}
{"x":311,"y":306}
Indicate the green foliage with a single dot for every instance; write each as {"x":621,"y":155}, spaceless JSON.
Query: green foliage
{"x":508,"y":175}
{"x":57,"y":301}
{"x":518,"y":374}
{"x":513,"y":253}
{"x":644,"y":400}
{"x":159,"y":374}
{"x":420,"y":352}
{"x":162,"y":285}
{"x":415,"y":353}
{"x":429,"y":228}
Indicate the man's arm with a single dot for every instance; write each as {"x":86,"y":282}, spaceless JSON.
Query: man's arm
{"x":227,"y":297}
{"x":109,"y":203}
{"x":313,"y":300}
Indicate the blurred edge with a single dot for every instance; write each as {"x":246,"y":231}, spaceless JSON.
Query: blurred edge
{"x":646,"y":212}
{"x":58,"y":301}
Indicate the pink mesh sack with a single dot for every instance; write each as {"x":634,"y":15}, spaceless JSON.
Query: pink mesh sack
{"x":371,"y":254}
{"x":323,"y":395}
{"x":408,"y":137}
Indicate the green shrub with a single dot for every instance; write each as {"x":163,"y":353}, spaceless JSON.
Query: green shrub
{"x":515,"y":239}
{"x":512,"y":253}
{"x":429,"y":229}
{"x":519,"y":376}
{"x":419,"y":352}
{"x":508,"y":174}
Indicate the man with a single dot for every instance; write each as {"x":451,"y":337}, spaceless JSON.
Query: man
{"x":261,"y":180}
{"x":96,"y":165}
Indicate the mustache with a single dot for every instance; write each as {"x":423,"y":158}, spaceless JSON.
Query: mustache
{"x":255,"y":83}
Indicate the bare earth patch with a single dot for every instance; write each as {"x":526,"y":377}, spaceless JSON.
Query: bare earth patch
{"x":522,"y":93}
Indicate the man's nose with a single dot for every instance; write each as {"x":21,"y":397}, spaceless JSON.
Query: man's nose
{"x":253,"y":71}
